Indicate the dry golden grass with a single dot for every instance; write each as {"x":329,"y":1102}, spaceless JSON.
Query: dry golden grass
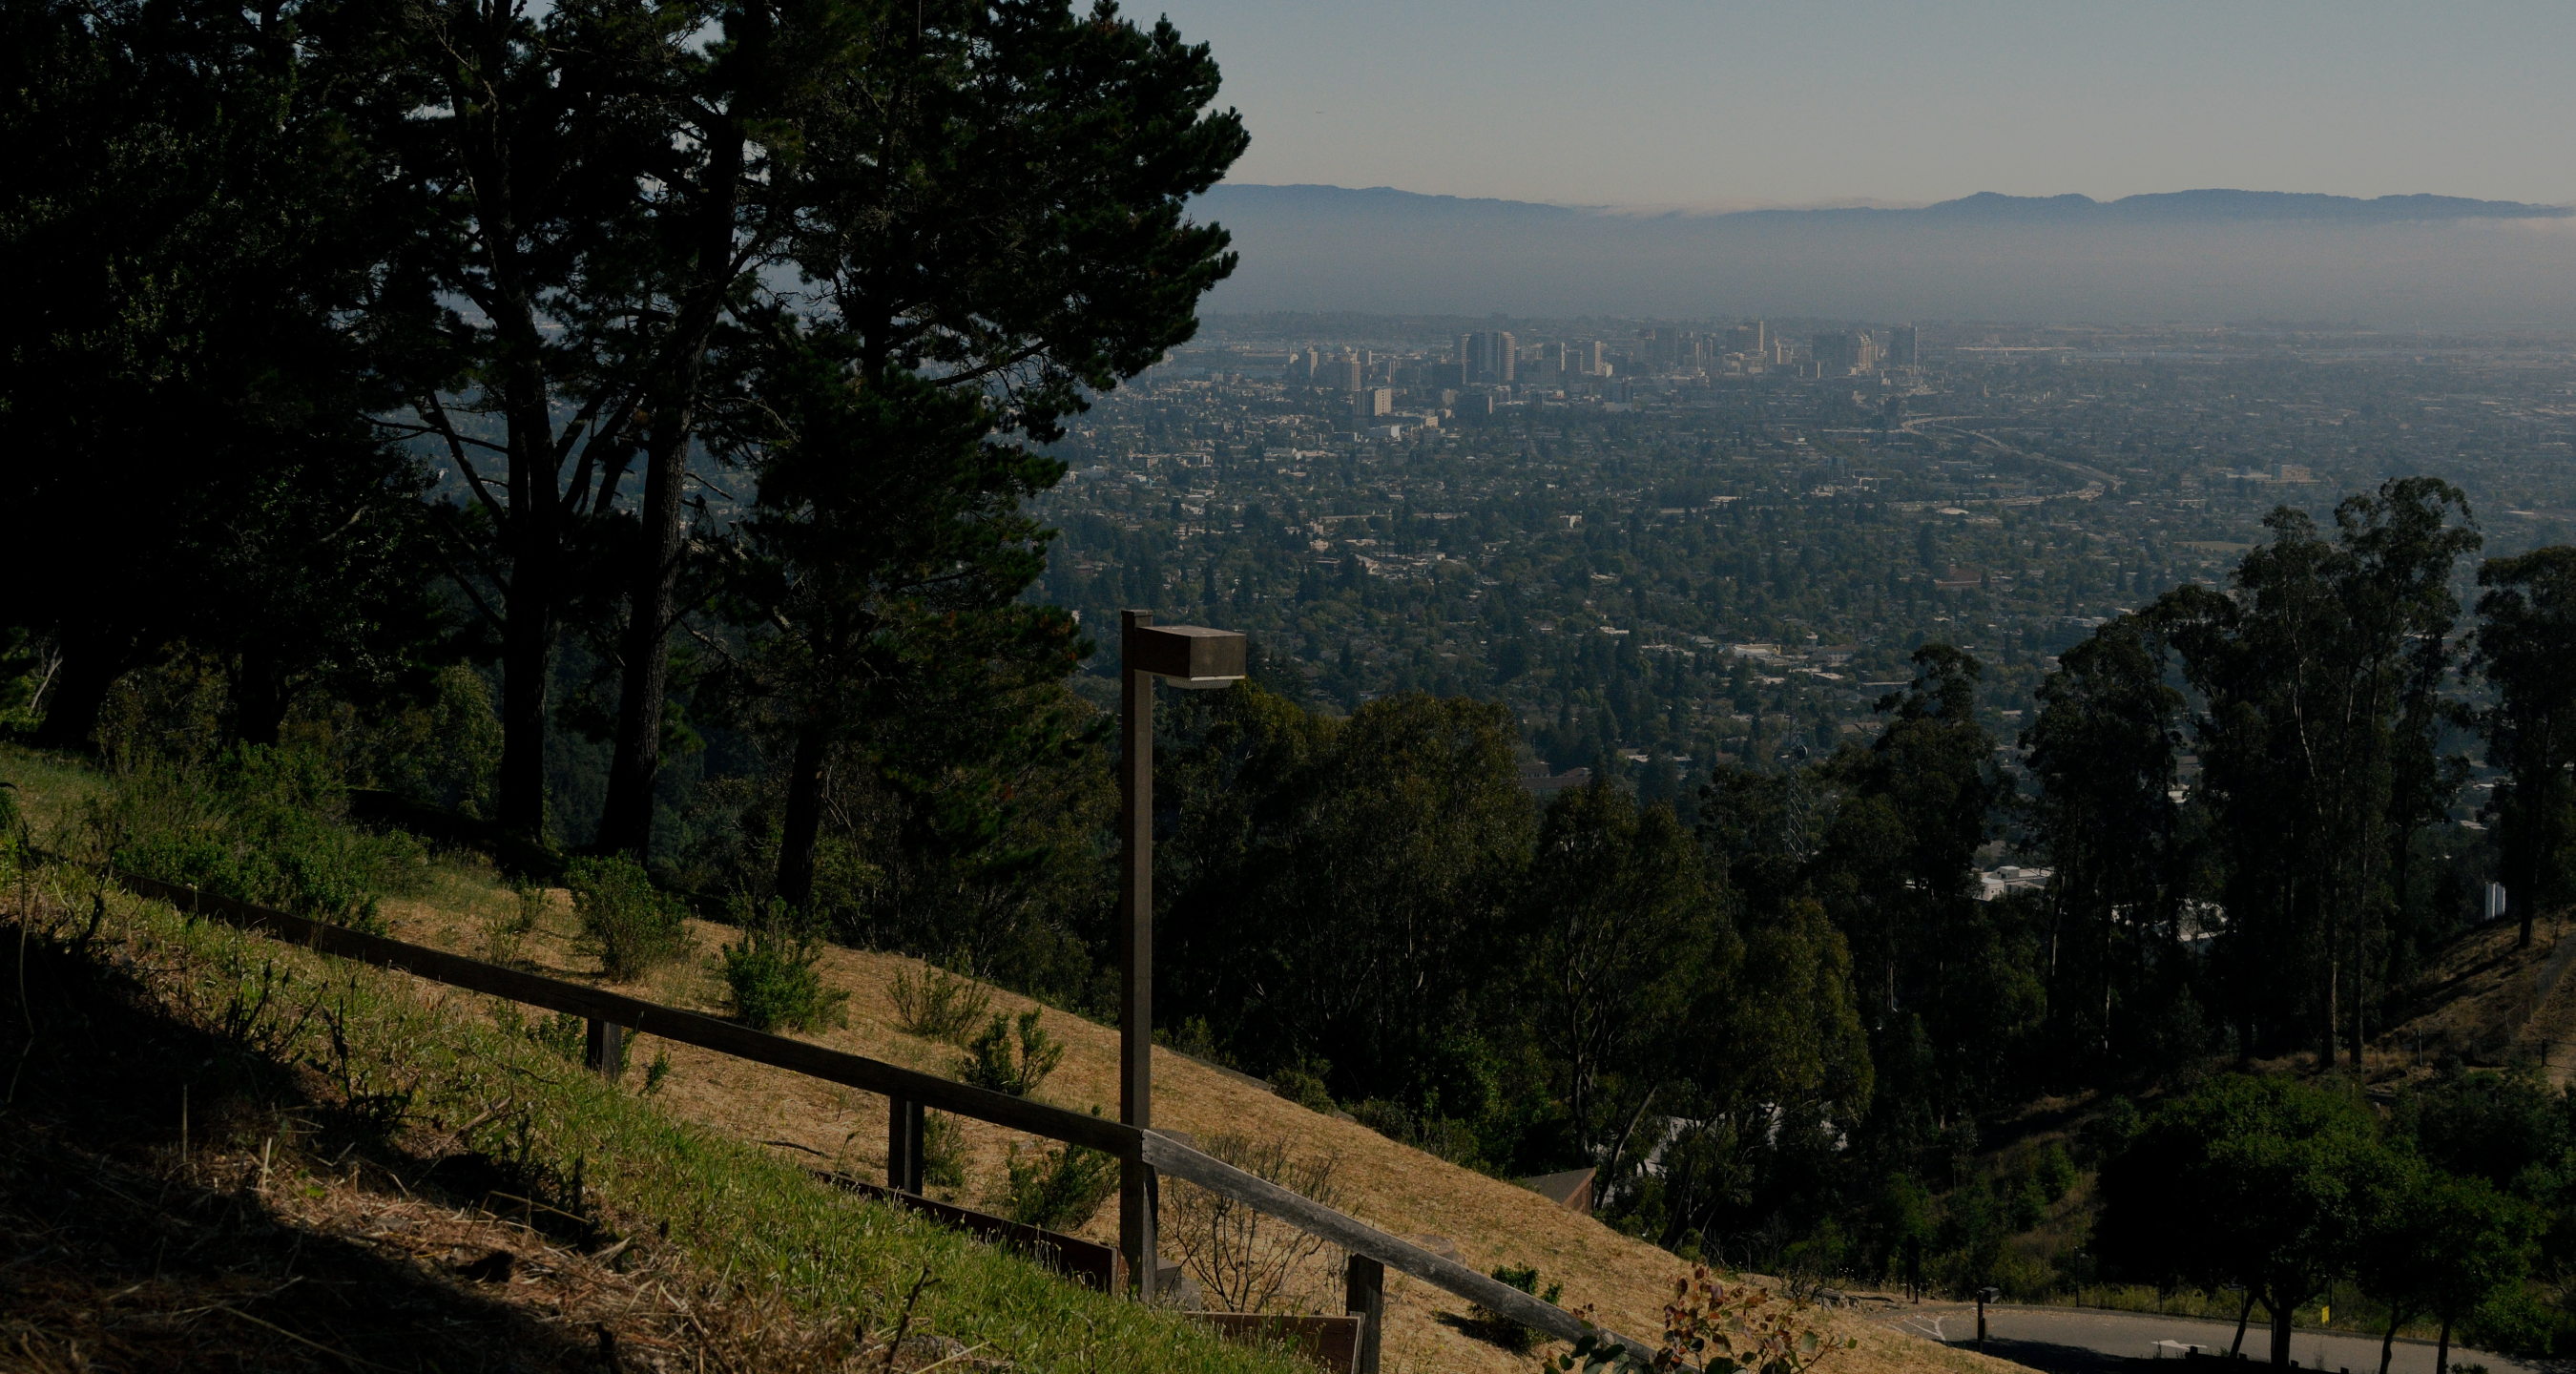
{"x":1485,"y":1222}
{"x":2486,"y":1002}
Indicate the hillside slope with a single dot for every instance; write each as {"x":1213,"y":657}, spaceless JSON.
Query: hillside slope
{"x":223,"y":1152}
{"x":1485,"y":1221}
{"x":2485,"y":1002}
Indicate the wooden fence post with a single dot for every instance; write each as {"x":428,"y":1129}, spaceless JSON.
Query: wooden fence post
{"x":1365,"y":1298}
{"x":903,"y":1145}
{"x":606,"y":1050}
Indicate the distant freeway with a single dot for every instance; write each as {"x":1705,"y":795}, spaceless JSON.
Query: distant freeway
{"x":2096,"y":475}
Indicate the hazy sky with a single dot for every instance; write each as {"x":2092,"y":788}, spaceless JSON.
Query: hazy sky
{"x":1665,"y":102}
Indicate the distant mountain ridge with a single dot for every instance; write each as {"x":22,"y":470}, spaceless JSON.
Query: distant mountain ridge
{"x":2180,"y":255}
{"x":2213,"y":206}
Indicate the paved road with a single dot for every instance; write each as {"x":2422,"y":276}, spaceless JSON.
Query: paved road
{"x":2070,"y":1340}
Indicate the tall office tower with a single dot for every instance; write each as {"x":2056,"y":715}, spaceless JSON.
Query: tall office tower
{"x":1345,"y":373}
{"x":1490,"y":356}
{"x":1749,"y":338}
{"x":1900,"y":346}
{"x":1869,"y":353}
{"x":1371,"y":402}
{"x":1593,"y":358}
{"x":1835,"y":354}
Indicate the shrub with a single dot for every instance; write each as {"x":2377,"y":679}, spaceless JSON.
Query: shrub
{"x":943,"y":1151}
{"x":2054,"y":1172}
{"x":1006,"y":1063}
{"x":259,"y":824}
{"x":1516,"y":1337}
{"x":1749,"y":1327}
{"x":1304,"y":1087}
{"x":1059,"y":1189}
{"x":938,"y":1005}
{"x":1440,"y":1137}
{"x":772,"y":974}
{"x":446,"y":751}
{"x":631,"y":925}
{"x":1241,"y":1258}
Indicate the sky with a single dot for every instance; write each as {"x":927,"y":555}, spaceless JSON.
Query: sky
{"x":1660,"y":104}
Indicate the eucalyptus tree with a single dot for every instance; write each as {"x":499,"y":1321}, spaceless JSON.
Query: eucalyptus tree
{"x":2318,"y":672}
{"x":1624,"y":925}
{"x":2104,"y":750}
{"x":2526,"y":650}
{"x":1895,"y":867}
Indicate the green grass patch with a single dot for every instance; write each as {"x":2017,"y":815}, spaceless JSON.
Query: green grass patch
{"x":409,"y":1062}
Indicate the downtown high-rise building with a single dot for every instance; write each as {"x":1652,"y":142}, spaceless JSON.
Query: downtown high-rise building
{"x":1487,"y":356}
{"x":1900,"y":346}
{"x":1836,"y":354}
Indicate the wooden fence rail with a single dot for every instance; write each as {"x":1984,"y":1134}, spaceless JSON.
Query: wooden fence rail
{"x":612,"y":1015}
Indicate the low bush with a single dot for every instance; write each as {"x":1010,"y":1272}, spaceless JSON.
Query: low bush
{"x":1058,"y":1189}
{"x":938,"y":1005}
{"x":1304,"y":1087}
{"x":943,"y":1151}
{"x":631,"y":925}
{"x":1749,"y":1327}
{"x":1516,"y":1337}
{"x":1008,"y":1063}
{"x":772,"y":973}
{"x":257,"y":824}
{"x":1241,"y":1258}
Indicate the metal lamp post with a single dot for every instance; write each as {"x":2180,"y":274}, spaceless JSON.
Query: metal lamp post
{"x":1192,"y":656}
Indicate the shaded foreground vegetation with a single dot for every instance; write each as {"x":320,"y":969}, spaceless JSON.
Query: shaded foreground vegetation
{"x":224,"y":1149}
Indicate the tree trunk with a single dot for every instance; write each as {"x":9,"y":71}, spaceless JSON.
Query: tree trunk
{"x":527,"y":662}
{"x":2330,"y":1031}
{"x":2388,"y":1343}
{"x":804,"y":818}
{"x":2519,"y":822}
{"x":2442,"y":1352}
{"x":627,"y":823}
{"x":2281,"y":1333}
{"x":91,"y":665}
{"x":2522,"y":886}
{"x":2244,"y":1311}
{"x":259,"y":698}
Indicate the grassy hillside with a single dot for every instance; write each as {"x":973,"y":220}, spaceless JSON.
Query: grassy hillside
{"x":702,"y":1168}
{"x":226,"y":1152}
{"x":1485,"y":1222}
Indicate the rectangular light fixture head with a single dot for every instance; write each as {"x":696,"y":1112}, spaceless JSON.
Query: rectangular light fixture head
{"x":1185,"y":655}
